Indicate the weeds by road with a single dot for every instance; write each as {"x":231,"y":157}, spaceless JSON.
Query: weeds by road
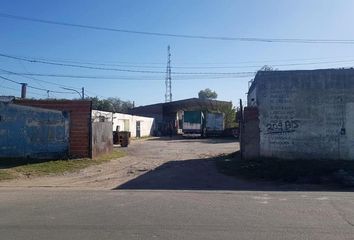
{"x":289,"y":171}
{"x":55,"y":167}
{"x":5,"y":175}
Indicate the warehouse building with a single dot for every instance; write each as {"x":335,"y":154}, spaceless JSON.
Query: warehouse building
{"x":170,"y":113}
{"x":307,"y":114}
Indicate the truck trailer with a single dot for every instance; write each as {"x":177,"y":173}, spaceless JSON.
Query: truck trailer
{"x":193,"y":123}
{"x":214,"y":124}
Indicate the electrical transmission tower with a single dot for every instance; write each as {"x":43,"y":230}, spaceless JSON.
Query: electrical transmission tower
{"x":168,"y":94}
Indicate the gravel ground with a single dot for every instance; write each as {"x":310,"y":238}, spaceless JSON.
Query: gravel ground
{"x":156,"y":163}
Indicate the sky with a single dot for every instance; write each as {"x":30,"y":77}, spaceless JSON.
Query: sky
{"x":310,"y":19}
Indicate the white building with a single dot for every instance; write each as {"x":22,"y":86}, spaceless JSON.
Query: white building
{"x":138,"y":126}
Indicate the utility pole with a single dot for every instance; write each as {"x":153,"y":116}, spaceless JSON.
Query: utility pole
{"x":168,"y":81}
{"x":23,"y":90}
{"x":83,"y":93}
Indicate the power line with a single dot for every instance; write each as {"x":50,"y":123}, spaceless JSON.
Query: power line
{"x":33,"y":60}
{"x":275,"y":65}
{"x":22,"y":64}
{"x":42,"y":89}
{"x":29,"y":86}
{"x":86,"y":62}
{"x":187,"y":36}
{"x":108,"y":63}
{"x":237,"y":75}
{"x":10,"y":80}
{"x":190,"y":65}
{"x":26,"y":75}
{"x":58,"y":75}
{"x":240,"y":66}
{"x":37,"y":81}
{"x":47,"y":90}
{"x":14,"y":89}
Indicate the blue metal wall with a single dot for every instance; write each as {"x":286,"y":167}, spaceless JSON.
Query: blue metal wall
{"x":32,"y":132}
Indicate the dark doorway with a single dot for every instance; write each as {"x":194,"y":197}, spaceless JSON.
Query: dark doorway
{"x":138,"y":135}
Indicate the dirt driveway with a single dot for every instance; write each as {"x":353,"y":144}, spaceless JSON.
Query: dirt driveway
{"x":158,"y":163}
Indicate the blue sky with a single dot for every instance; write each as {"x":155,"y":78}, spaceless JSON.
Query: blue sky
{"x":319,"y":19}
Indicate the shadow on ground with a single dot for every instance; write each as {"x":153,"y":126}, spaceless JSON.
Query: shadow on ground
{"x":15,"y":162}
{"x":211,"y":140}
{"x":203,"y":174}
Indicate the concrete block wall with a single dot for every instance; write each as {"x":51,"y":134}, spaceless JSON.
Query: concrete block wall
{"x":250,"y":135}
{"x":29,"y":132}
{"x":102,"y":138}
{"x":306,"y":114}
{"x":80,"y":122}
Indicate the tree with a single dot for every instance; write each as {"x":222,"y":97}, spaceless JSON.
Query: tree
{"x":267,"y":68}
{"x":111,"y":104}
{"x":229,"y":115}
{"x":207,"y":94}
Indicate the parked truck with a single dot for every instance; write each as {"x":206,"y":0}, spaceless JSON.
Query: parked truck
{"x":214,"y":124}
{"x":193,"y":123}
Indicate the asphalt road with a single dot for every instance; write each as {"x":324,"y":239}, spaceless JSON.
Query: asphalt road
{"x":129,"y":214}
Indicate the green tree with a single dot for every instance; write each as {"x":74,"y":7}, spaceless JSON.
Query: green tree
{"x":267,"y":68}
{"x":207,"y":94}
{"x":111,"y":104}
{"x":229,"y":115}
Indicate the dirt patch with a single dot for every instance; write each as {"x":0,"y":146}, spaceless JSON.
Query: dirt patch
{"x":167,"y":164}
{"x":144,"y":157}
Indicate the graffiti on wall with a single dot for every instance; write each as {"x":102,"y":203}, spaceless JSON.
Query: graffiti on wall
{"x":281,"y":126}
{"x":303,"y":122}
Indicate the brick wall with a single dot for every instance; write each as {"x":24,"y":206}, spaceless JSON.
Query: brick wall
{"x":80,"y":122}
